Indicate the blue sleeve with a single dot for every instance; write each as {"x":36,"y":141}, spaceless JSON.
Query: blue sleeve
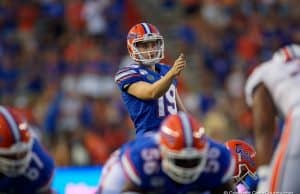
{"x":47,"y":170}
{"x":228,"y":165}
{"x":134,"y":160}
{"x":220,"y":154}
{"x":127,"y":76}
{"x":130,"y":164}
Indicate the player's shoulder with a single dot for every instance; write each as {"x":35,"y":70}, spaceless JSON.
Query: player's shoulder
{"x":132,"y":67}
{"x":142,"y":143}
{"x":218,"y":149}
{"x":262,"y":67}
{"x":129,"y":72}
{"x":255,"y":78}
{"x":221,"y":156}
{"x":126,"y":70}
{"x":135,"y":147}
{"x":41,"y":157}
{"x":135,"y":155}
{"x":39,"y":172}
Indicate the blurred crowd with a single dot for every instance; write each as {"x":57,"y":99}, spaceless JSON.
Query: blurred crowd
{"x":58,"y":58}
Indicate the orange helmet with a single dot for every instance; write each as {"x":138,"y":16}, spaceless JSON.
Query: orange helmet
{"x":144,"y":33}
{"x":15,"y":142}
{"x":244,"y":155}
{"x":184,"y":147}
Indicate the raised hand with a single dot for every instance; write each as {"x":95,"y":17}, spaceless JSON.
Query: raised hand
{"x":179,"y":65}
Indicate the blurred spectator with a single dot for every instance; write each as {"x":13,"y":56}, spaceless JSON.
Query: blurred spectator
{"x":50,"y":24}
{"x":9,"y":75}
{"x":190,"y":7}
{"x":74,"y":21}
{"x":28,"y":14}
{"x":93,"y":14}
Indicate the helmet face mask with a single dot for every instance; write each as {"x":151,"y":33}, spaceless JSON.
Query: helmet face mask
{"x":183,"y":147}
{"x":243,"y":173}
{"x":244,"y":155}
{"x":145,"y":44}
{"x":184,"y":167}
{"x":16,"y":144}
{"x":15,"y":160}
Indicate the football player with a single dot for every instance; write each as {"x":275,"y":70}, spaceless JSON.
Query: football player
{"x":25,"y":167}
{"x":148,"y":87}
{"x":178,"y":158}
{"x":273,"y":90}
{"x":245,"y":176}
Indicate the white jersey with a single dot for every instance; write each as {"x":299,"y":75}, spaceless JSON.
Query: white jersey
{"x":282,"y":80}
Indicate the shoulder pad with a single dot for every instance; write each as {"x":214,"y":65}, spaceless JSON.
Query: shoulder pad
{"x":125,"y":72}
{"x":254,"y":79}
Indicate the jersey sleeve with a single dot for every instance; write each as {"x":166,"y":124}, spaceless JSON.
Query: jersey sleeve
{"x":112,"y":178}
{"x":46,"y":167}
{"x":255,"y":78}
{"x":229,"y":162}
{"x":129,"y":162}
{"x":127,"y":76}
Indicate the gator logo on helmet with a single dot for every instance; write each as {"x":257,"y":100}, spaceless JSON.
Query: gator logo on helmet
{"x":244,"y":155}
{"x":132,"y":36}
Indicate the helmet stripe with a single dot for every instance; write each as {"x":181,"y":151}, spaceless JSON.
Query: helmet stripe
{"x":146,"y":28}
{"x":287,"y":53}
{"x":187,"y":129}
{"x":11,"y":122}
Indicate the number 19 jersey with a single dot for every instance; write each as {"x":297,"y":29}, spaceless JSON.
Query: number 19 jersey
{"x":146,"y":114}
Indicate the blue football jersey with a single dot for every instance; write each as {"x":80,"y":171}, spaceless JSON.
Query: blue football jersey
{"x":37,"y":175}
{"x":146,"y":114}
{"x":141,"y":161}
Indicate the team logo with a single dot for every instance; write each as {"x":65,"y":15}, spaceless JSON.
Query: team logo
{"x":143,"y":72}
{"x":132,"y":36}
{"x":150,"y":77}
{"x":244,"y":155}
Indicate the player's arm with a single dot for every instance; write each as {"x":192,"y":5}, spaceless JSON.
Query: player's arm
{"x":179,"y":103}
{"x":148,"y":91}
{"x":264,"y":113}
